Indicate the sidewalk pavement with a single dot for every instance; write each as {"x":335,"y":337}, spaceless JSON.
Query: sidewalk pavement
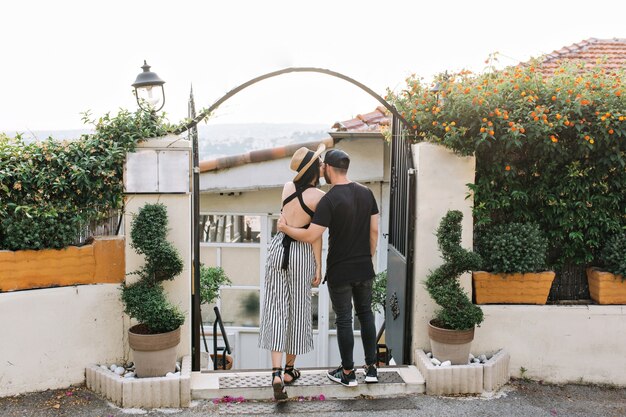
{"x":519,"y":398}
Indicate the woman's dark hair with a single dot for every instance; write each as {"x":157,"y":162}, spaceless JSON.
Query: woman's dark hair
{"x":310,"y":176}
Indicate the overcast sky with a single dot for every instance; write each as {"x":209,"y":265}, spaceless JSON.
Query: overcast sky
{"x":60,"y":58}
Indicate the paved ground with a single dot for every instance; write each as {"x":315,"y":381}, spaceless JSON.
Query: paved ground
{"x":516,"y":399}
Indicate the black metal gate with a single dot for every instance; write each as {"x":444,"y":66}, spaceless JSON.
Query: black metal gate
{"x":400,"y":248}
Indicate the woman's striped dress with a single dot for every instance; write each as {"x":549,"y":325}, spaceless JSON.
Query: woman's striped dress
{"x":286,"y":321}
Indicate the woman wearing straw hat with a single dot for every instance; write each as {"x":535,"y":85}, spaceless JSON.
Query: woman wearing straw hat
{"x":292,"y":268}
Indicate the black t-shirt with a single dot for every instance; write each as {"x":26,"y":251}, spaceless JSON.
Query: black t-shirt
{"x":346,"y":210}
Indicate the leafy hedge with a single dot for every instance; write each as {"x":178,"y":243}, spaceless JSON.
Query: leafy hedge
{"x":613,"y":255}
{"x":549,"y":149}
{"x":51,"y":189}
{"x":512,"y":247}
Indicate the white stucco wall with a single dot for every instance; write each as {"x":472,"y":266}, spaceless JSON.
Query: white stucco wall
{"x":581,"y":343}
{"x":441,"y":179}
{"x":49,"y":336}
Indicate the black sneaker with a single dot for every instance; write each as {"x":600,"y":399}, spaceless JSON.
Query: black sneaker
{"x":337,"y":375}
{"x":371,"y":374}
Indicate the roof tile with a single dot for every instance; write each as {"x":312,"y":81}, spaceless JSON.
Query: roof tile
{"x":607,"y":53}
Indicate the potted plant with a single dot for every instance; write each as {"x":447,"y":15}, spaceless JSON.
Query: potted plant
{"x":607,"y":285}
{"x":211,"y":279}
{"x":155,"y":338}
{"x":452,"y":330}
{"x":514,"y":265}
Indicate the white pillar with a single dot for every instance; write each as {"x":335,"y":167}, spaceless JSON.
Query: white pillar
{"x":160,"y":172}
{"x":441,"y":186}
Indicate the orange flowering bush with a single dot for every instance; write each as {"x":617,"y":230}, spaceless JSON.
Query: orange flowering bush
{"x":549,"y":149}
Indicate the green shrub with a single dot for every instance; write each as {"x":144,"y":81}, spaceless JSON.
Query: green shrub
{"x":457,"y":311}
{"x":379,"y":292}
{"x":211,"y":278}
{"x":512,"y":247}
{"x":613,"y":255}
{"x":49,"y":189}
{"x":549,"y":149}
{"x":145,"y":299}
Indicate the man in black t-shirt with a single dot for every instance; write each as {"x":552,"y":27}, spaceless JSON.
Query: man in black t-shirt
{"x":350,"y":212}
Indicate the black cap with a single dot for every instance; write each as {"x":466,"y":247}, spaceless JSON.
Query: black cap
{"x":337,"y":158}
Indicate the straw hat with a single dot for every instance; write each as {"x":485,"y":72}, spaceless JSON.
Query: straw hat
{"x":303,"y":158}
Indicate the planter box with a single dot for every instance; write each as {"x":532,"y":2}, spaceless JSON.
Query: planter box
{"x":157,"y":392}
{"x":605,"y":287}
{"x":102,"y":261}
{"x":528,"y":288}
{"x":464,"y":379}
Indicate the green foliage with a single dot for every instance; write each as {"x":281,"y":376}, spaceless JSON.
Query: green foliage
{"x":51,"y":189}
{"x":613,"y":255}
{"x":549,"y":149}
{"x":211,"y":279}
{"x":145,"y":299}
{"x":512,"y":247}
{"x":457,"y":311}
{"x":379,"y":292}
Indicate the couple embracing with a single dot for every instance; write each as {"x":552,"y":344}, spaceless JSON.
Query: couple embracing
{"x":293,"y":267}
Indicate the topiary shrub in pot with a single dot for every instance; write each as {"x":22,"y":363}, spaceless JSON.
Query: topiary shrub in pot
{"x":607,"y":285}
{"x":211,"y":279}
{"x":155,"y":338}
{"x":514,"y":265}
{"x":452,"y":330}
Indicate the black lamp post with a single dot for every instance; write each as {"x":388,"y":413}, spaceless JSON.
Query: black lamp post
{"x":147,"y":92}
{"x":151,"y":98}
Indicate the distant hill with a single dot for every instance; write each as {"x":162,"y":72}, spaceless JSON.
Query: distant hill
{"x":215,"y":140}
{"x":232,"y":139}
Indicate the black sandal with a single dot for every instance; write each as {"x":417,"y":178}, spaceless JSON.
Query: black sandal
{"x":292,"y":372}
{"x":280,"y":393}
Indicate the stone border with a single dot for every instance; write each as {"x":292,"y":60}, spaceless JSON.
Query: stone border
{"x":160,"y":392}
{"x":464,"y":379}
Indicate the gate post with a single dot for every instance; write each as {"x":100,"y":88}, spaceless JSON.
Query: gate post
{"x":159,"y":171}
{"x":441,"y":180}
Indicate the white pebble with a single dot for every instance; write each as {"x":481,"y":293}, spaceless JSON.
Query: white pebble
{"x":483,"y":358}
{"x":429,"y":354}
{"x":112,"y":367}
{"x":104,"y":367}
{"x":169,"y":374}
{"x":446,"y":363}
{"x":120,"y":370}
{"x":435,"y":361}
{"x":129,"y":375}
{"x":471,"y":357}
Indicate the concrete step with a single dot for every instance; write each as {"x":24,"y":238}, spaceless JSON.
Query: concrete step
{"x":255,"y":385}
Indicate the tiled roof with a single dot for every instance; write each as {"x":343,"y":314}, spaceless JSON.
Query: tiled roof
{"x":607,"y":53}
{"x":368,"y":122}
{"x":260,"y":155}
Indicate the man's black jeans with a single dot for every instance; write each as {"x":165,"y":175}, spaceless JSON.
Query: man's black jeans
{"x":341,"y":297}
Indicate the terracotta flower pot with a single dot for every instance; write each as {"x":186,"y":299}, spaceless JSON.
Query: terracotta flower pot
{"x":514,"y":288}
{"x":450,"y":345}
{"x":153,"y":354}
{"x":605,"y":287}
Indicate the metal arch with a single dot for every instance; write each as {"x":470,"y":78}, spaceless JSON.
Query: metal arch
{"x":235,"y":90}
